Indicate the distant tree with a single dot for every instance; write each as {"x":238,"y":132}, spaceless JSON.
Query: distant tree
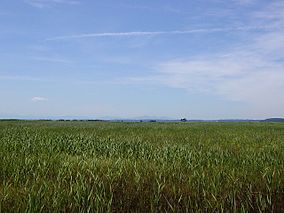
{"x":183,"y":120}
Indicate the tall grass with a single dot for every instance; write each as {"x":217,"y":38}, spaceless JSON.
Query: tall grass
{"x":141,"y":167}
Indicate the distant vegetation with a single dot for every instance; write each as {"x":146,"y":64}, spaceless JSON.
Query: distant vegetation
{"x":145,"y":167}
{"x":274,"y":120}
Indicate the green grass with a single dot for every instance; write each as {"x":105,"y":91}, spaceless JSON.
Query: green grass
{"x":141,"y":167}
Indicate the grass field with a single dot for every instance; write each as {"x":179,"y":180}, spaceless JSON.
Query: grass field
{"x":141,"y":167}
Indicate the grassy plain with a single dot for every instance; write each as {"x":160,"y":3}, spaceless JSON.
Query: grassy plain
{"x":141,"y":167}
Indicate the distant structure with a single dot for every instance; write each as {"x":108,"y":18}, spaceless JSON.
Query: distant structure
{"x":183,"y":120}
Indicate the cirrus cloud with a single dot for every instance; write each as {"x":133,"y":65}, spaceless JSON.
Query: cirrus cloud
{"x":251,"y":72}
{"x":47,"y":3}
{"x":39,"y":99}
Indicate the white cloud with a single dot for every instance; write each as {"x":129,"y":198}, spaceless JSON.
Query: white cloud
{"x":245,"y":2}
{"x":252,"y":73}
{"x":236,"y":78}
{"x":39,"y":99}
{"x":273,"y":10}
{"x":18,"y":78}
{"x":48,"y":3}
{"x":155,"y":33}
{"x":52,"y":60}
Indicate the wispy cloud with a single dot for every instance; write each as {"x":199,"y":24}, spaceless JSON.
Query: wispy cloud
{"x":156,"y":33}
{"x":251,"y":73}
{"x":39,"y":99}
{"x":48,"y":3}
{"x":244,"y":2}
{"x":153,"y":8}
{"x":18,"y":78}
{"x":272,"y":15}
{"x":52,"y":60}
{"x":240,"y":76}
{"x":58,"y":80}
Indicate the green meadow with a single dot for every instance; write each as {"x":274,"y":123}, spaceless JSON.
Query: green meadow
{"x":76,"y":166}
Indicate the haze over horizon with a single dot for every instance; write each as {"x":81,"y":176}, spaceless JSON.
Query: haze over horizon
{"x":203,"y":59}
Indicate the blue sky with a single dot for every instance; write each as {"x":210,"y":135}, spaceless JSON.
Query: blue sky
{"x":199,"y":59}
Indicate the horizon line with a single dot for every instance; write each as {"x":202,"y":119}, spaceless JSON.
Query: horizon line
{"x":137,"y":119}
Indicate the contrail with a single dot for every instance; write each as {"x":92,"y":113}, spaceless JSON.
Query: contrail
{"x":155,"y":33}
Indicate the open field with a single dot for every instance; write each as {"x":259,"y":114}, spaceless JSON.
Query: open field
{"x":141,"y":167}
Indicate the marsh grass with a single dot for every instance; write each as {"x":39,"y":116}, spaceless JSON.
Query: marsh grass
{"x":141,"y":167}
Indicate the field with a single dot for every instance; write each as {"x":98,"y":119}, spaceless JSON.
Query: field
{"x":141,"y":167}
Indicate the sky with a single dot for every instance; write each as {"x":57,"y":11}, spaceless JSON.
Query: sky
{"x":194,"y":59}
